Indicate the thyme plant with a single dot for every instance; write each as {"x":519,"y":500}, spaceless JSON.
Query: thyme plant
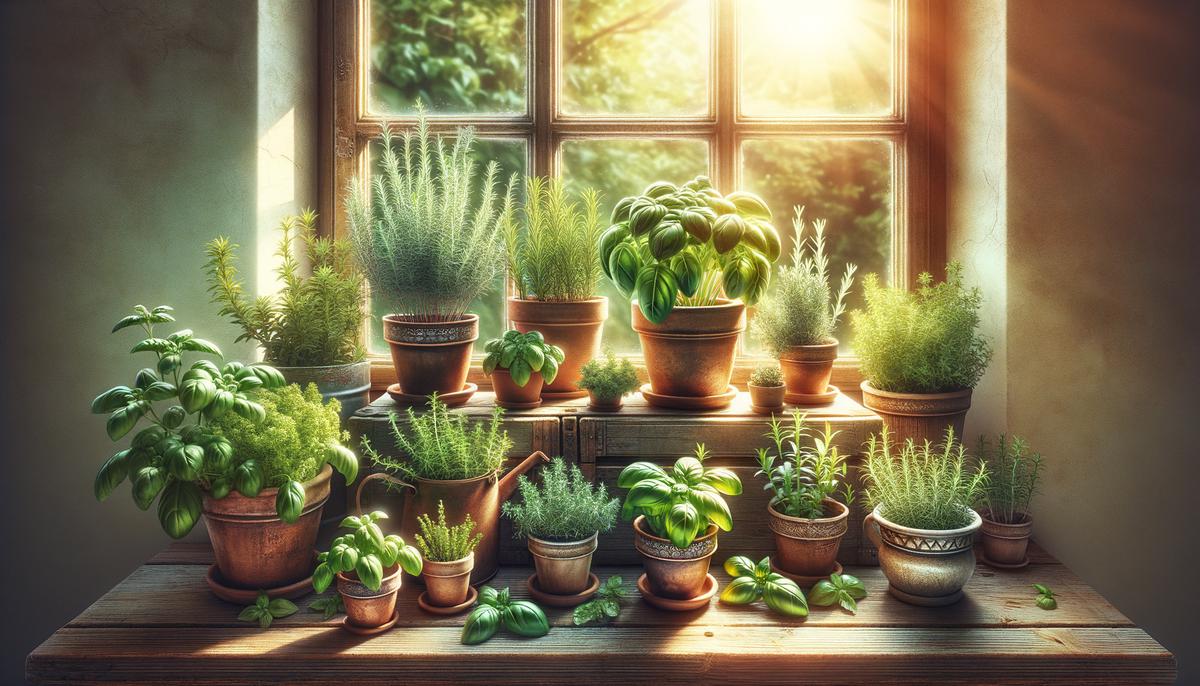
{"x":923,"y":486}
{"x":800,"y":476}
{"x":439,"y":445}
{"x":565,"y":507}
{"x":441,"y":542}
{"x":767,"y":376}
{"x":557,"y":254}
{"x":609,"y":379}
{"x":1015,"y":472}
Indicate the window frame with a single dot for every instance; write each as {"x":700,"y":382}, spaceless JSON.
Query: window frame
{"x":916,"y":129}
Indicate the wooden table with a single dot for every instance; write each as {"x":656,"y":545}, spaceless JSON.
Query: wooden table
{"x":162,"y":626}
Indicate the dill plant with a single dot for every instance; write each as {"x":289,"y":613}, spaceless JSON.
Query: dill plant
{"x":923,"y":486}
{"x":440,"y":445}
{"x":609,"y":379}
{"x":441,"y":542}
{"x":565,"y":507}
{"x":553,"y":251}
{"x":1014,"y":474}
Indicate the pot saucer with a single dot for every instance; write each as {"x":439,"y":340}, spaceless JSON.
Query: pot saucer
{"x":563,"y":395}
{"x":1001,"y":565}
{"x":450,"y":399}
{"x":925,"y":601}
{"x":371,"y":630}
{"x":683,"y":402}
{"x":830,"y":394}
{"x":424,"y":604}
{"x":807,"y":581}
{"x":675,"y":604}
{"x":519,"y":406}
{"x":556,"y":600}
{"x":243,"y":596}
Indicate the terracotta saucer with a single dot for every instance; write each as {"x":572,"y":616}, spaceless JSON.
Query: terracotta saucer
{"x":424,"y":604}
{"x":674,"y":604}
{"x":555,"y":600}
{"x":451,"y":399}
{"x":1000,"y":565}
{"x":519,"y":406}
{"x":766,"y":410}
{"x":807,"y":581}
{"x":683,"y":402}
{"x":925,"y":601}
{"x":371,"y":630}
{"x":830,"y":394}
{"x":563,"y":395}
{"x":242,"y":596}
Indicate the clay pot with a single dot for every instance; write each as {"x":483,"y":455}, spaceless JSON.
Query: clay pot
{"x":808,"y":368}
{"x":253,"y":547}
{"x":1005,"y":544}
{"x":511,"y":396}
{"x":563,"y":568}
{"x":678,"y":573}
{"x":766,"y":397}
{"x":430,"y":356}
{"x":924,"y":567}
{"x":366,"y":608}
{"x":479,"y":497}
{"x":604,"y":404}
{"x":447,"y":584}
{"x":919,"y":416}
{"x":808,"y":547}
{"x":575,"y":326}
{"x":691,"y":352}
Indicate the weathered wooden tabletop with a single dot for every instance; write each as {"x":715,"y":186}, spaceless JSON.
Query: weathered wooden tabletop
{"x":162,"y":626}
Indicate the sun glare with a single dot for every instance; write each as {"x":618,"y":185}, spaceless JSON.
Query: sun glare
{"x":818,"y":24}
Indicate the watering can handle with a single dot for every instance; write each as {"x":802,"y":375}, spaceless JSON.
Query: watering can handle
{"x":871,"y":529}
{"x":378,"y":476}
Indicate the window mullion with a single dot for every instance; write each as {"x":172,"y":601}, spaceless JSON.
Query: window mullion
{"x":724,"y":69}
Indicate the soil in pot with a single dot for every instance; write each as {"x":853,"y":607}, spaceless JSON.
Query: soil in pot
{"x":447,"y":584}
{"x":808,"y":547}
{"x":430,"y":356}
{"x":1005,"y":545}
{"x":919,"y":416}
{"x":563,"y":568}
{"x":671,"y":572}
{"x":690,"y":354}
{"x":574,"y":326}
{"x":513,"y":397}
{"x":807,"y":369}
{"x":366,"y":608}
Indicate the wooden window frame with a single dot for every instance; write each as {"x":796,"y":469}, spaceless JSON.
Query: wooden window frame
{"x":916,"y":130}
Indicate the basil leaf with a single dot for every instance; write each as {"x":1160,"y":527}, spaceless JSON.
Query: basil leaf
{"x":525,"y":619}
{"x":741,"y":591}
{"x":481,"y":624}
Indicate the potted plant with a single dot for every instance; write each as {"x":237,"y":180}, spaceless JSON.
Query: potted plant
{"x":921,"y":354}
{"x":798,"y":320}
{"x":1007,"y":523}
{"x":553,"y":258}
{"x":189,"y":466}
{"x":678,"y":514}
{"x":519,"y":364}
{"x":766,"y":389}
{"x":446,"y":458}
{"x":808,"y":521}
{"x":608,"y":382}
{"x":429,"y":250}
{"x":367,"y":567}
{"x":449,"y":558}
{"x":922,"y":522}
{"x":561,"y":520}
{"x":687,"y":254}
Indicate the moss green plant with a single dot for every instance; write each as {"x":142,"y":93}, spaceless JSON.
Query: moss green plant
{"x":609,"y":379}
{"x":553,"y":250}
{"x":767,"y":375}
{"x":441,"y":542}
{"x":923,"y":486}
{"x":1015,"y":472}
{"x":565,"y":507}
{"x":442,"y":445}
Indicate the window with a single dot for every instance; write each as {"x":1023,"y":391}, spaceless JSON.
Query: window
{"x":821,"y":103}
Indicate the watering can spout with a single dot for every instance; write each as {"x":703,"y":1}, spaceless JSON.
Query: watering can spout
{"x":508,"y":483}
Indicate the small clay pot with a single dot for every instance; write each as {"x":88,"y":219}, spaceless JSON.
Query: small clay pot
{"x":923,"y":566}
{"x":807,"y":369}
{"x":447,"y":584}
{"x":766,"y":397}
{"x":573,"y":325}
{"x":366,"y":608}
{"x":808,"y":547}
{"x":563,"y":568}
{"x":1005,"y":544}
{"x":596,"y":404}
{"x":511,"y":396}
{"x":690,"y":353}
{"x":430,"y":356}
{"x":919,"y":416}
{"x":672,"y":572}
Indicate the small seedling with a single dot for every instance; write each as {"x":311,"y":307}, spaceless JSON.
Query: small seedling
{"x":1045,"y":598}
{"x":329,"y":606}
{"x":751,"y":582}
{"x":495,"y":609}
{"x":264,"y":610}
{"x":842,"y":589}
{"x":605,"y":606}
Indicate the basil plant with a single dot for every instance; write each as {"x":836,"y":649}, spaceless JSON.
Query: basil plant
{"x":688,"y":245}
{"x":679,"y":504}
{"x":522,"y":354}
{"x":366,"y":552}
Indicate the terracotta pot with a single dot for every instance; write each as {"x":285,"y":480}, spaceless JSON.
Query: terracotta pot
{"x":511,"y":396}
{"x":604,"y":404}
{"x":367,"y":608}
{"x":766,"y":397}
{"x":679,"y":573}
{"x":253,"y":547}
{"x":691,"y":352}
{"x":808,"y":368}
{"x":919,"y":416}
{"x":1005,"y":544}
{"x":431,"y":356}
{"x":575,"y":326}
{"x":924,"y":566}
{"x":447,"y":584}
{"x":563,"y":568}
{"x":808,"y":547}
{"x":479,"y":497}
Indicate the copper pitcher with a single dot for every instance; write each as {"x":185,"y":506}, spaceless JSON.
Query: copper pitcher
{"x":479,"y":497}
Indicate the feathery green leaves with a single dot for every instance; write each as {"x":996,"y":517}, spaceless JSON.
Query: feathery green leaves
{"x":924,"y":486}
{"x":557,"y":255}
{"x":565,"y":507}
{"x":440,"y":444}
{"x":441,"y":542}
{"x":1014,"y":474}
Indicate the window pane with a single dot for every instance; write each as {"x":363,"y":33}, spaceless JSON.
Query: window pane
{"x":646,"y":57}
{"x":622,"y":167}
{"x":816,"y":57}
{"x":456,"y":56}
{"x":510,"y":154}
{"x":846,"y":182}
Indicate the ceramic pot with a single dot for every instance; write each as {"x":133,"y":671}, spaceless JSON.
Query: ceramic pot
{"x":605,"y":404}
{"x":766,"y":397}
{"x":430,"y":356}
{"x":672,"y":572}
{"x":575,"y":326}
{"x":447,"y":584}
{"x":254,"y":548}
{"x":563,"y":568}
{"x":479,"y":497}
{"x":366,"y":608}
{"x":924,"y":566}
{"x":513,"y":397}
{"x":808,"y":368}
{"x":691,"y":352}
{"x":919,"y":416}
{"x":1005,"y":544}
{"x":808,"y":547}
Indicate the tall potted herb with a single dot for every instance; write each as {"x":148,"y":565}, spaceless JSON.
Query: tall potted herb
{"x":553,"y":258}
{"x":691,"y":259}
{"x":921,"y":354}
{"x":798,"y":320}
{"x":429,"y":251}
{"x":1007,"y":522}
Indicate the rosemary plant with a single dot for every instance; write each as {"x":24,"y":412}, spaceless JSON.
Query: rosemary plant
{"x":1015,"y":472}
{"x":440,"y":542}
{"x":557,"y":256}
{"x":440,"y":446}
{"x":566,"y":507}
{"x":803,"y":476}
{"x":923,"y":486}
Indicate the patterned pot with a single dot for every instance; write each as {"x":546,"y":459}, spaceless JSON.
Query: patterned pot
{"x":563,"y":568}
{"x":674,"y":572}
{"x":366,"y":608}
{"x":808,"y":368}
{"x":430,"y":356}
{"x":919,"y":416}
{"x":924,"y":566}
{"x":1005,"y":544}
{"x":808,"y":547}
{"x":447,"y":584}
